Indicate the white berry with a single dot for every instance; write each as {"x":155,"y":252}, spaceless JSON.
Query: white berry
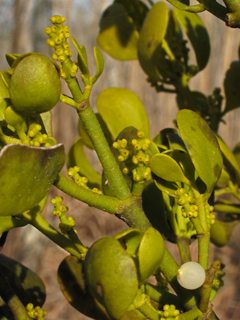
{"x":191,"y":275}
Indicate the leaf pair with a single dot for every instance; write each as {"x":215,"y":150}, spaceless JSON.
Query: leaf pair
{"x":202,"y":147}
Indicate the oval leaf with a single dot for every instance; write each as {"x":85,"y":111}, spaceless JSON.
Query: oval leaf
{"x":150,"y":253}
{"x":196,"y":32}
{"x":71,"y":279}
{"x":167,"y":168}
{"x":151,"y":36}
{"x":118,"y":35}
{"x":27,"y":173}
{"x":202,"y":147}
{"x":121,"y":108}
{"x":26,"y":284}
{"x":111,"y":275}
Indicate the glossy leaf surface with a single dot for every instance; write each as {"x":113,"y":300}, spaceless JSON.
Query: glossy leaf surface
{"x":150,"y":253}
{"x":27,"y":173}
{"x":202,"y":147}
{"x":26,"y":284}
{"x":167,"y":168}
{"x":77,"y":157}
{"x":121,"y":108}
{"x":151,"y":36}
{"x":71,"y":279}
{"x":197,"y":33}
{"x":111,"y":276}
{"x":118,"y":35}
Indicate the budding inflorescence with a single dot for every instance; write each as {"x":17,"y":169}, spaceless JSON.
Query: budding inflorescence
{"x":170,"y":313}
{"x":66,"y":223}
{"x":58,"y":35}
{"x":37,"y":138}
{"x":210,"y":216}
{"x":73,"y":173}
{"x":189,"y":208}
{"x":136,"y":151}
{"x":36,"y":313}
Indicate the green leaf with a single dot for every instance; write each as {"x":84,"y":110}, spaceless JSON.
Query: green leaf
{"x":202,"y":147}
{"x":161,"y":139}
{"x":72,"y":281}
{"x":231,"y":87}
{"x":26,"y":284}
{"x":27,"y":173}
{"x":175,"y":142}
{"x":46,"y":119}
{"x":113,"y":284}
{"x":167,"y":168}
{"x":118,"y":35}
{"x":77,"y":157}
{"x":121,"y":108}
{"x":166,"y":186}
{"x":236,"y":152}
{"x":184,"y":161}
{"x":4,"y":93}
{"x":154,"y":208}
{"x":150,"y":253}
{"x":229,"y":160}
{"x":197,"y":34}
{"x":99,"y":63}
{"x":151,"y":36}
{"x":11,"y":58}
{"x":82,"y":57}
{"x":224,"y":178}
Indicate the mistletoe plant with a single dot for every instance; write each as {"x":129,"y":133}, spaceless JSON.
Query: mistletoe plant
{"x":163,"y":188}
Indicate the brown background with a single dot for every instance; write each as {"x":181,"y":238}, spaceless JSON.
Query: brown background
{"x":22,"y":24}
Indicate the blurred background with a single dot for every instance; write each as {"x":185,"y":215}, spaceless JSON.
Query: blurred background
{"x":22,"y":24}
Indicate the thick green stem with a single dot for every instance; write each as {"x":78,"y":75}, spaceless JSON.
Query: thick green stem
{"x":12,"y":301}
{"x":183,"y":246}
{"x":105,"y":203}
{"x":35,"y":219}
{"x":203,"y":250}
{"x":110,"y":166}
{"x":133,"y":214}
